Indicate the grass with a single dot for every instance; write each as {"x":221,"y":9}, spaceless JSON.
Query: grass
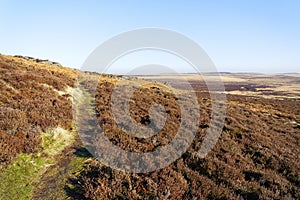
{"x":55,"y":140}
{"x":35,"y":122}
{"x":55,"y":181}
{"x":256,"y":156}
{"x":34,"y":98}
{"x":18,"y":178}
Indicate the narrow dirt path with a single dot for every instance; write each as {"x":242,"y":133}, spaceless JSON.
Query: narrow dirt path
{"x":54,"y":182}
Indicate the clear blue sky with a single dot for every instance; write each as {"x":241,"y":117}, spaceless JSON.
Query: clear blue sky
{"x":239,"y":36}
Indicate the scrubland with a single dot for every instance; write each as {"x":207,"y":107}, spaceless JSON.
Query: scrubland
{"x":42,"y":156}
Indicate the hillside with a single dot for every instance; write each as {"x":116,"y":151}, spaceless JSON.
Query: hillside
{"x":42,"y":156}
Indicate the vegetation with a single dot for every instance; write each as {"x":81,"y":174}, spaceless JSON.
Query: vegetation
{"x":247,"y":162}
{"x":42,"y":157}
{"x":17,"y":179}
{"x":27,"y":107}
{"x":35,"y":122}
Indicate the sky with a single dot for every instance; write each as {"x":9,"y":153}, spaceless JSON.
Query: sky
{"x":239,"y":36}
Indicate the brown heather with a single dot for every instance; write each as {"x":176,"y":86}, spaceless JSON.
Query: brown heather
{"x":256,"y":157}
{"x":30,"y":104}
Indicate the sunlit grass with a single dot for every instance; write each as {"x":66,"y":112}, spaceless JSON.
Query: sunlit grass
{"x":55,"y":140}
{"x":18,"y":178}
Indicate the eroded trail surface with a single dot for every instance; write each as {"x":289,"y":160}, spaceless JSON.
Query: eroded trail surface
{"x":43,"y":157}
{"x":56,"y":182}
